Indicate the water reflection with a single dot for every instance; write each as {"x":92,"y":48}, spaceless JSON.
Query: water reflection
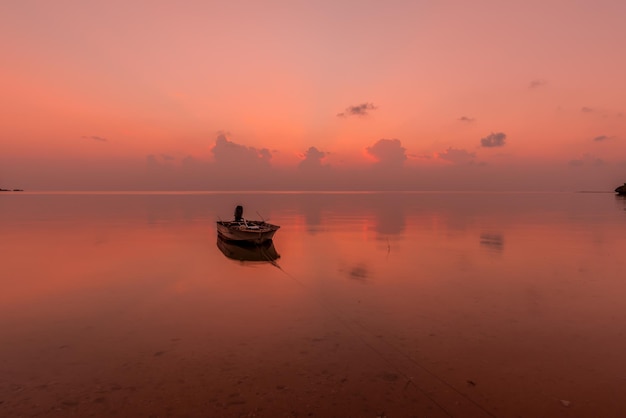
{"x":129,"y":306}
{"x":390,"y":219}
{"x":385,"y":213}
{"x":311,"y":206}
{"x":358,"y":272}
{"x":492,"y":242}
{"x":621,"y":200}
{"x":265,"y":252}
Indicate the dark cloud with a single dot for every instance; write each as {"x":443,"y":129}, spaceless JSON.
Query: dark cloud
{"x":537,"y":83}
{"x":586,"y":109}
{"x":466,"y":119}
{"x":457,"y":156}
{"x":388,"y":152}
{"x":601,"y":138}
{"x":312,"y":158}
{"x":358,"y":110}
{"x":233,"y":155}
{"x":95,"y":138}
{"x":493,"y":140}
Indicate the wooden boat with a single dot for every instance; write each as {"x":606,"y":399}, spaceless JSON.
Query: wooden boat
{"x":621,"y":190}
{"x":242,"y":251}
{"x":243,"y":230}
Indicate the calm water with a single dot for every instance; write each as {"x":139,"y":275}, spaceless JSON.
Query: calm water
{"x":396,"y":305}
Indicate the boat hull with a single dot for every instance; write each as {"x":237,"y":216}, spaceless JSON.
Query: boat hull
{"x":250,"y":232}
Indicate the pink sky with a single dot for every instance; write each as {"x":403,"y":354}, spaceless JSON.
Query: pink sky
{"x":484,"y":95}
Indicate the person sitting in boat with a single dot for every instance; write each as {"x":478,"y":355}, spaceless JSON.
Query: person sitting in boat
{"x":238,"y":213}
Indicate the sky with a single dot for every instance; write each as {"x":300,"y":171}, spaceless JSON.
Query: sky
{"x":313,"y":95}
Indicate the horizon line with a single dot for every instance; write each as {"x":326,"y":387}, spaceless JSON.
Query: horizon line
{"x":295,"y":191}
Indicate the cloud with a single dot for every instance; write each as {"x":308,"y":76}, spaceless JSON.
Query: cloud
{"x":95,"y":138}
{"x":601,"y":138}
{"x":232,"y":155}
{"x":161,"y":160}
{"x":493,"y":140}
{"x":598,"y":162}
{"x":358,"y":110}
{"x":457,"y":156}
{"x":537,"y":83}
{"x":602,"y":112}
{"x":587,"y":160}
{"x":466,"y":119}
{"x":188,"y":161}
{"x":154,"y":162}
{"x":312,"y":158}
{"x":388,"y":152}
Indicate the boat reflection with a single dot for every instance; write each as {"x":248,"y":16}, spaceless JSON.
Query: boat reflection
{"x":264,"y":252}
{"x":621,"y":199}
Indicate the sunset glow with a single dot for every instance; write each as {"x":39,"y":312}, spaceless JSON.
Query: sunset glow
{"x":416,"y":95}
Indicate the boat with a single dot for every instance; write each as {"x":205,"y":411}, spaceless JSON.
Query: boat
{"x":243,"y":251}
{"x":243,"y":230}
{"x":621,"y":190}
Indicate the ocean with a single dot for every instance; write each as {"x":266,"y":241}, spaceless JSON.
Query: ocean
{"x":425,"y":304}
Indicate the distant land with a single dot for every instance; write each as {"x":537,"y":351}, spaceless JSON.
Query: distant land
{"x":10,"y":190}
